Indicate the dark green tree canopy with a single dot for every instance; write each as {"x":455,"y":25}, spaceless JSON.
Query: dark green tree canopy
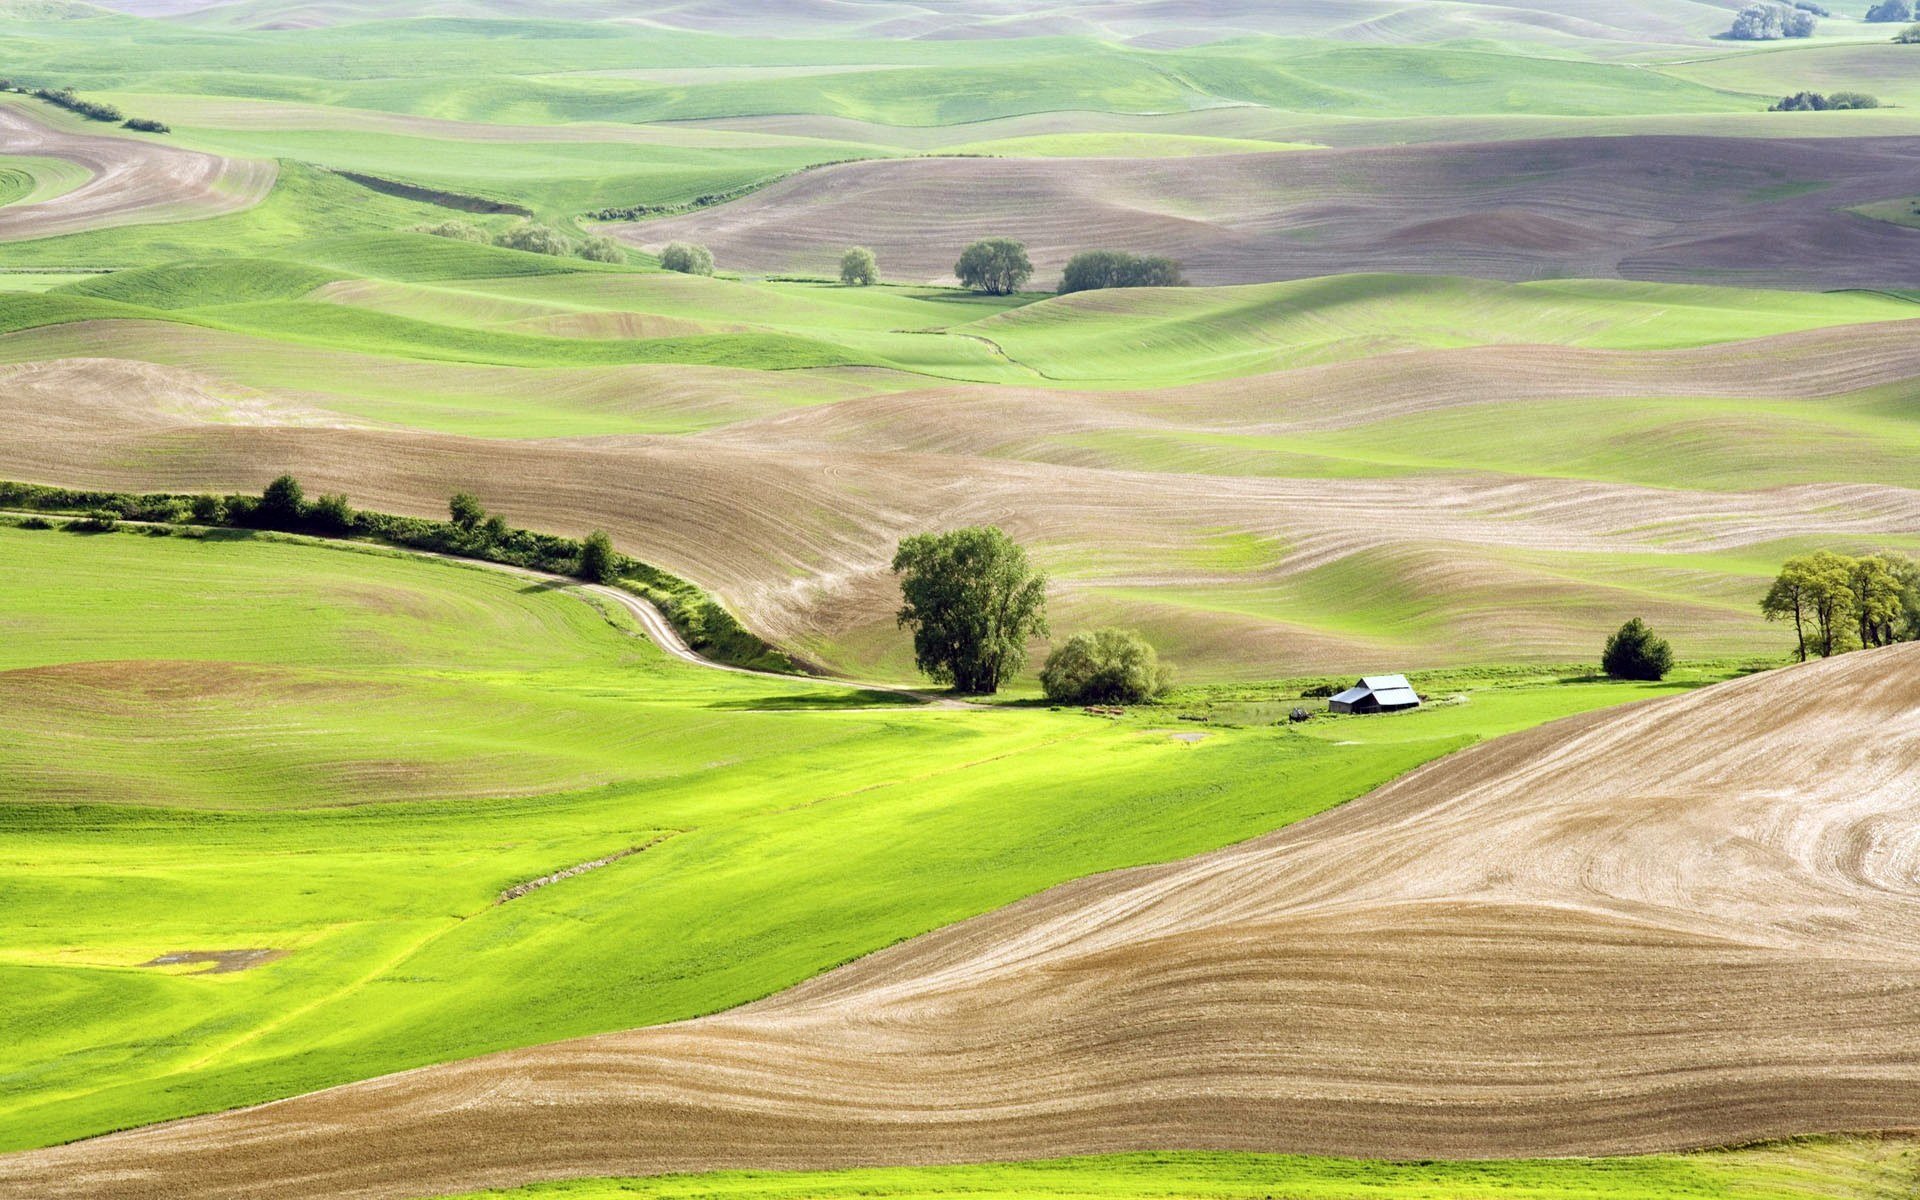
{"x":1092,"y":269}
{"x":859,"y":268}
{"x":1633,"y":652}
{"x":282,"y":503}
{"x":1106,"y":666}
{"x":996,"y":266}
{"x":465,"y":509}
{"x":598,"y":563}
{"x":972,"y":601}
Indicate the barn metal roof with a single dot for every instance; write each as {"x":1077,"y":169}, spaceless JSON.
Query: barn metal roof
{"x":1390,"y":690}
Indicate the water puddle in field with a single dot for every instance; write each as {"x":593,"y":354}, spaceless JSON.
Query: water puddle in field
{"x":223,"y":962}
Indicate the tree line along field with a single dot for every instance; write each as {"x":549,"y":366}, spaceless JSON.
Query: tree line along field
{"x":364,"y":751}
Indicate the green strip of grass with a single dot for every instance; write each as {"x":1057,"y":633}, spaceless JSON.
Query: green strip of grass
{"x":1814,"y":1169}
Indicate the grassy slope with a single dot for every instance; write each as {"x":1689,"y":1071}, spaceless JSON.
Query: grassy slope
{"x":1815,"y":1169}
{"x":360,"y":752}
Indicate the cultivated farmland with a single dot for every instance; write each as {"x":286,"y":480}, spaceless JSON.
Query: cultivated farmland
{"x":483,"y":489}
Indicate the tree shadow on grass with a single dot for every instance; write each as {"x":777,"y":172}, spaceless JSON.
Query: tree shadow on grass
{"x":851,"y":698}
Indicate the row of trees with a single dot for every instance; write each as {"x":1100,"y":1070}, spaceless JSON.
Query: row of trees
{"x":1770,"y":22}
{"x":530,"y":237}
{"x":1816,"y":102}
{"x":1000,"y":267}
{"x":1838,"y":602}
{"x":92,"y":110}
{"x":973,"y":602}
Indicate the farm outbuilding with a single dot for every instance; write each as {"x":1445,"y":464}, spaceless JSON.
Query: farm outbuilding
{"x":1376,"y":693}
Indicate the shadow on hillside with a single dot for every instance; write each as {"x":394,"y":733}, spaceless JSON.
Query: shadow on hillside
{"x":819,"y":702}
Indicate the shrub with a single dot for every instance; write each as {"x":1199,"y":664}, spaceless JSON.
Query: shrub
{"x":602,"y":249}
{"x":145,"y":125}
{"x":1910,"y":36}
{"x":1093,"y":269}
{"x":208,"y":510}
{"x":330,"y":514}
{"x":494,"y":529}
{"x":536,"y":239}
{"x":281,"y":505}
{"x":1633,"y":652}
{"x":465,"y":509}
{"x":1107,"y":666}
{"x":687,"y":258}
{"x":996,"y":266}
{"x":1768,"y":22}
{"x":459,"y":231}
{"x":1888,"y":11}
{"x":598,"y":563}
{"x":859,"y":268}
{"x":35,"y":523}
{"x":1818,"y":10}
{"x":100,"y":520}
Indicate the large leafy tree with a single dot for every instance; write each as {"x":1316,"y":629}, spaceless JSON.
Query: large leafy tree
{"x":972,"y":600}
{"x":996,"y":266}
{"x":1816,"y":590}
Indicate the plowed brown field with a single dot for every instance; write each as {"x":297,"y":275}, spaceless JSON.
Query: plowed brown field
{"x":1751,"y":211}
{"x":1687,"y":922}
{"x":793,"y":517}
{"x":134,"y":181}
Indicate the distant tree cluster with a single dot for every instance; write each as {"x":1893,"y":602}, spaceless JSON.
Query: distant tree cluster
{"x":1815,"y":102}
{"x":688,"y":258}
{"x":996,"y":266}
{"x":529,"y":237}
{"x":1093,"y":269}
{"x":1770,"y":22}
{"x":1838,"y":602}
{"x":1890,"y":12}
{"x":146,"y":125}
{"x":1910,"y":36}
{"x":92,"y":110}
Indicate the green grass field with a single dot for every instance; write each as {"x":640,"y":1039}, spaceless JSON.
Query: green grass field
{"x":1814,"y":1169}
{"x":362,"y":751}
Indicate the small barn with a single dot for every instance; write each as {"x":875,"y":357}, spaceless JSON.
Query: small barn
{"x":1376,"y":693}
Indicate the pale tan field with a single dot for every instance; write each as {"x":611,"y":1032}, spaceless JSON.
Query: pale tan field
{"x":1766,"y":212}
{"x":1684,"y":923}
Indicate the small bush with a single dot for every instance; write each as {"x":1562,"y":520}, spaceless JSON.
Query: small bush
{"x":100,"y":520}
{"x":330,"y":514}
{"x":602,"y":249}
{"x":208,"y":510}
{"x":459,"y":231}
{"x":687,"y":258}
{"x":145,"y":125}
{"x":536,"y":239}
{"x":598,"y":562}
{"x":465,"y":510}
{"x":36,"y":523}
{"x":1910,"y":36}
{"x":1106,"y":666}
{"x":1633,"y":652}
{"x":859,"y":268}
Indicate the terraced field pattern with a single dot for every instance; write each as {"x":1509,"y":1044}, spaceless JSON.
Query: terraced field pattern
{"x":330,"y":868}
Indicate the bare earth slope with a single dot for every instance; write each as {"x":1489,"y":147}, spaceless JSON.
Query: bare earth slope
{"x":1751,"y":211}
{"x":1683,"y":923}
{"x":134,"y":181}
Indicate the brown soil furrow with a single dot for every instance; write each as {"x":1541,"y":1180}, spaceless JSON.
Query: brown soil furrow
{"x":1668,"y":208}
{"x":1686,"y":922}
{"x":134,"y":181}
